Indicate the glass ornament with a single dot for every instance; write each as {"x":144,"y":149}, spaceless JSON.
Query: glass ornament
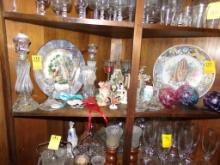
{"x":212,"y":100}
{"x":167,"y":97}
{"x":187,"y":95}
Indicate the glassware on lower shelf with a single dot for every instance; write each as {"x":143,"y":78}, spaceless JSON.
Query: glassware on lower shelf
{"x":210,"y":144}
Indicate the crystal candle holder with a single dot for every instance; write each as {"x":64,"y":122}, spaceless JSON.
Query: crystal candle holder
{"x":23,"y":85}
{"x":113,"y":135}
{"x":136,"y":134}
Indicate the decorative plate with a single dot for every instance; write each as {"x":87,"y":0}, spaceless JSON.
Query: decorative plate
{"x":61,"y":63}
{"x":183,"y":64}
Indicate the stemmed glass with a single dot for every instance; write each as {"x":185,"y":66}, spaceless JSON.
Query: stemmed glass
{"x":108,"y":68}
{"x":119,"y":6}
{"x":93,"y":4}
{"x":164,"y":128}
{"x":102,"y":6}
{"x":185,"y":144}
{"x":61,"y":7}
{"x":210,"y":143}
{"x":81,"y":5}
{"x":195,"y":137}
{"x":41,"y":6}
{"x":150,"y":138}
{"x":131,"y":7}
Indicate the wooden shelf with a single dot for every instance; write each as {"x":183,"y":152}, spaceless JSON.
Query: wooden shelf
{"x":94,"y":26}
{"x":181,"y":112}
{"x":69,"y":112}
{"x":157,"y":30}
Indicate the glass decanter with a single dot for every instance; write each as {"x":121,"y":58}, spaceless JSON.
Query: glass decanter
{"x":23,"y":86}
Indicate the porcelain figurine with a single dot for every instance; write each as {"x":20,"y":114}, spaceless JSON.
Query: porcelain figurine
{"x":103,"y":95}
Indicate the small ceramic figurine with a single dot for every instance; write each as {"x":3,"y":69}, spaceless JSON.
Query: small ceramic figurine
{"x":72,"y":137}
{"x":103,"y":95}
{"x":114,"y":98}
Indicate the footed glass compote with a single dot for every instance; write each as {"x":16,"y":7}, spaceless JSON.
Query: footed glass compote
{"x":23,"y":86}
{"x":50,"y":104}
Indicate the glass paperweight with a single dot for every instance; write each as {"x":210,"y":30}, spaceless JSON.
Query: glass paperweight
{"x":23,"y":86}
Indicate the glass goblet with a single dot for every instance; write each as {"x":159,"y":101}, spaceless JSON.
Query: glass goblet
{"x":81,"y":6}
{"x":150,"y":137}
{"x":102,"y":6}
{"x":184,"y":144}
{"x":41,"y":6}
{"x":164,"y":128}
{"x":61,"y":7}
{"x":210,"y":143}
{"x":108,"y":68}
{"x":131,"y":7}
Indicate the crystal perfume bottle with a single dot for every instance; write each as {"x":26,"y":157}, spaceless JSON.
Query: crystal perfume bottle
{"x":23,"y":86}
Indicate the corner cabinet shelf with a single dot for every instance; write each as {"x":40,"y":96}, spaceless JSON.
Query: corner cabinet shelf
{"x":69,"y":112}
{"x":135,"y":36}
{"x":94,"y":26}
{"x":158,"y":30}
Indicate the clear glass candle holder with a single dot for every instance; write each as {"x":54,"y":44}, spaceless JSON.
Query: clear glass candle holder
{"x":113,"y":135}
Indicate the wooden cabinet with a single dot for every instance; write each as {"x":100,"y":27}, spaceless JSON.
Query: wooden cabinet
{"x":141,"y":43}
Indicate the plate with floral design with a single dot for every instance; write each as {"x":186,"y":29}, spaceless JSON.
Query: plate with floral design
{"x":61,"y":63}
{"x":183,"y":64}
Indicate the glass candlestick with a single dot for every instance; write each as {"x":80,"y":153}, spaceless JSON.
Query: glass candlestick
{"x":23,"y":86}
